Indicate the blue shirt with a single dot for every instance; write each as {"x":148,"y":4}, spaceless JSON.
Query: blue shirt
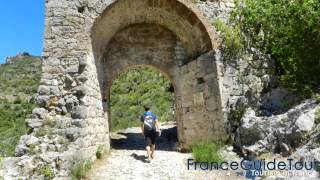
{"x":149,"y":120}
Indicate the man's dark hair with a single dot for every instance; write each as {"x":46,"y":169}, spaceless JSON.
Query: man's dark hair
{"x":146,"y":107}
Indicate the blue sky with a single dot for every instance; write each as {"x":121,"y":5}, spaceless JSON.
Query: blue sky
{"x":22,"y":27}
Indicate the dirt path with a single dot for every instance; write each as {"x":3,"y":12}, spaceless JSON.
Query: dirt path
{"x":127,"y":160}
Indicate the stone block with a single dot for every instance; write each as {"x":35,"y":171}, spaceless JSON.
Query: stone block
{"x":198,"y":99}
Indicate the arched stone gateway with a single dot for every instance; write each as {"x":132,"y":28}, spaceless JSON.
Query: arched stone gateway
{"x":154,"y":45}
{"x":171,"y":36}
{"x":88,"y":43}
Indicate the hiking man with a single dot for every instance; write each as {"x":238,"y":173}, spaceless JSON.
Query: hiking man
{"x":150,"y":127}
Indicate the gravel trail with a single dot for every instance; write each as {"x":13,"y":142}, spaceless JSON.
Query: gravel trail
{"x":127,"y":160}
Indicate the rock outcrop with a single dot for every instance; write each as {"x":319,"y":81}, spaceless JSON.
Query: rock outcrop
{"x":286,"y":134}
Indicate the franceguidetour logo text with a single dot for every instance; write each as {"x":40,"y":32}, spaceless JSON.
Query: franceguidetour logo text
{"x":255,"y":168}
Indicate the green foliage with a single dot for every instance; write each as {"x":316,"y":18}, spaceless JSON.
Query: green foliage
{"x":80,"y":168}
{"x":136,"y":88}
{"x":237,"y":114}
{"x":15,"y":78}
{"x":41,"y":132}
{"x":317,"y":98}
{"x":317,"y":116}
{"x":289,"y":31}
{"x":47,"y":172}
{"x":20,"y":77}
{"x":12,"y":125}
{"x":1,"y":161}
{"x":32,"y":149}
{"x":99,"y":152}
{"x":207,"y":152}
{"x":231,"y":36}
{"x":18,"y":100}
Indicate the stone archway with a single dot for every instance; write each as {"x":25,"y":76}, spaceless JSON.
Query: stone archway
{"x":169,"y":36}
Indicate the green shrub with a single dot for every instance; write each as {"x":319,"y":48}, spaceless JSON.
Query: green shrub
{"x":99,"y":152}
{"x":80,"y":168}
{"x":47,"y":172}
{"x":237,"y":114}
{"x":17,"y":100}
{"x":289,"y":31}
{"x":317,"y":116}
{"x":12,"y":125}
{"x":207,"y":152}
{"x":32,"y":149}
{"x":231,"y":36}
{"x":317,"y":98}
{"x":41,"y":132}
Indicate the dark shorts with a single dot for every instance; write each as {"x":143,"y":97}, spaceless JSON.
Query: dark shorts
{"x":150,"y":137}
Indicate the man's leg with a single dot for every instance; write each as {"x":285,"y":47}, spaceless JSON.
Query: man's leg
{"x":153,"y":142}
{"x":153,"y":148}
{"x":148,"y":145}
{"x":149,"y":154}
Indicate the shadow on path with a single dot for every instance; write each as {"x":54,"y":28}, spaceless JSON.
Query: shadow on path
{"x":135,"y":141}
{"x":141,"y":158}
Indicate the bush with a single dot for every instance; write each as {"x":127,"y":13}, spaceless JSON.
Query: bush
{"x":237,"y":114}
{"x":12,"y":126}
{"x":289,"y":31}
{"x":47,"y":172}
{"x":317,"y":116}
{"x":17,"y":100}
{"x":80,"y":168}
{"x":317,"y":98}
{"x":231,"y":36}
{"x":206,"y":152}
{"x":41,"y":132}
{"x":99,"y":152}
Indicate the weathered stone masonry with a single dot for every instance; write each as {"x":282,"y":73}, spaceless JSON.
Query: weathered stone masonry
{"x":88,"y":43}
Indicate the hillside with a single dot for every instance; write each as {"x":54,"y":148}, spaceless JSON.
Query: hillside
{"x":138,"y":87}
{"x":19,"y":78}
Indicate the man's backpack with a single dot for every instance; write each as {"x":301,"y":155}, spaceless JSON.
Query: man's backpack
{"x":149,"y":122}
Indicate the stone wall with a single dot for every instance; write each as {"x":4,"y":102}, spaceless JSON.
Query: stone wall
{"x":245,"y":77}
{"x":201,"y":100}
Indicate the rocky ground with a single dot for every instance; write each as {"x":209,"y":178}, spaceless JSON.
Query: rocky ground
{"x":127,"y":160}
